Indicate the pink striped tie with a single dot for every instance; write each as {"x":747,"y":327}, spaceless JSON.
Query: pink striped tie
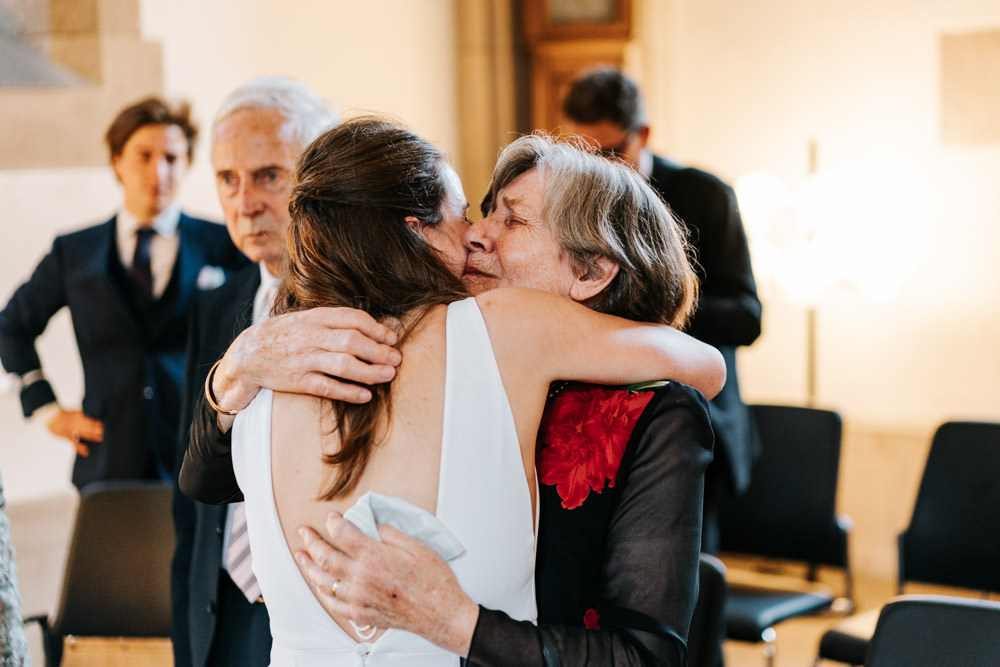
{"x":238,"y":560}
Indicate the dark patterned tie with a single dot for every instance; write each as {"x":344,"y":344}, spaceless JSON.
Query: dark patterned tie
{"x":142,"y":272}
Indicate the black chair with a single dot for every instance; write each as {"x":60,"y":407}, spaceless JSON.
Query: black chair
{"x":789,"y":514}
{"x":117,"y":577}
{"x":950,"y":540}
{"x":707,"y":624}
{"x":936,"y":630}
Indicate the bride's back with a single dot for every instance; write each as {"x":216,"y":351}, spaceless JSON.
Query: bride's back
{"x":405,"y":463}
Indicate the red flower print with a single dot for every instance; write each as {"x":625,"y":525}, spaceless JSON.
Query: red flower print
{"x":582,"y":438}
{"x":590,"y":620}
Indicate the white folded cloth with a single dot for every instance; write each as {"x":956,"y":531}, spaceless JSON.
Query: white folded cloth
{"x":373,"y":509}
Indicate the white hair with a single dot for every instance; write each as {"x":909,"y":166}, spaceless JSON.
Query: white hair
{"x":306,"y":112}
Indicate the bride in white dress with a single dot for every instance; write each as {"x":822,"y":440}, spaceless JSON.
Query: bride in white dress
{"x":445,"y":452}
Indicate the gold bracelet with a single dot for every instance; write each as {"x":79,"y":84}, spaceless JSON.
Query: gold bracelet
{"x":211,"y":398}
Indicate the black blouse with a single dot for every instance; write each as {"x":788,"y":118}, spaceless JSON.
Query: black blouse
{"x":620,"y":491}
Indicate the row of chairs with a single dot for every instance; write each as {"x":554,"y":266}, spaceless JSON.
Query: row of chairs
{"x":789,"y":514}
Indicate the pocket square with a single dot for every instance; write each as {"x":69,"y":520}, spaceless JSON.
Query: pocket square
{"x":373,"y":509}
{"x":210,"y":277}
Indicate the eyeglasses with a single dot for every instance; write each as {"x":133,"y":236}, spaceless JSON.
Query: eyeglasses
{"x":613,"y":151}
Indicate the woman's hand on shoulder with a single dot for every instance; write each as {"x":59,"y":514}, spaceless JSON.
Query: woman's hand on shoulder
{"x":325,"y":352}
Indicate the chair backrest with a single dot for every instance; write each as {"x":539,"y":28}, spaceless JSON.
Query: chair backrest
{"x":708,"y":622}
{"x":117,"y":577}
{"x":789,"y":510}
{"x":952,"y":536}
{"x":935,"y":630}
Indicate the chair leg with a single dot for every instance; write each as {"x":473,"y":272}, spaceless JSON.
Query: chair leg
{"x":769,"y":651}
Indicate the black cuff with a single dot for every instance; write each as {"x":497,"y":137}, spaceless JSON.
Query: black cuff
{"x":35,"y":395}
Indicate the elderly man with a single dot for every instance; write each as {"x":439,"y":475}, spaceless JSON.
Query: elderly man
{"x":129,"y":284}
{"x":259,"y":132}
{"x":617,"y":555}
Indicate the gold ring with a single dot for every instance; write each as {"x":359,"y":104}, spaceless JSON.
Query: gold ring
{"x":333,"y":589}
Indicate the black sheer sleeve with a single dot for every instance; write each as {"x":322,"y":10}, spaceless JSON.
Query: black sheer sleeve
{"x":207,"y":470}
{"x":648,"y":586}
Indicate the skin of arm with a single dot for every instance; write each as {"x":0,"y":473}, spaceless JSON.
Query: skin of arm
{"x":530,"y":327}
{"x":527,"y":329}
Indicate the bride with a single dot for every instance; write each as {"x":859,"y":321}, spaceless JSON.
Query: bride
{"x":446,"y":451}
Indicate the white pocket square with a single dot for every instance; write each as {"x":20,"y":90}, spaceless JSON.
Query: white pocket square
{"x":210,"y":277}
{"x":374,"y":508}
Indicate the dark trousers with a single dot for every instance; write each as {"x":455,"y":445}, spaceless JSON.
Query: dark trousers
{"x":242,"y":630}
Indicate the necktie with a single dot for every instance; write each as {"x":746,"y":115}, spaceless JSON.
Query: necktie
{"x":238,"y":560}
{"x":142,"y":272}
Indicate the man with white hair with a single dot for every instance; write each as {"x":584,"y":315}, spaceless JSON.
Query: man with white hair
{"x":259,"y":132}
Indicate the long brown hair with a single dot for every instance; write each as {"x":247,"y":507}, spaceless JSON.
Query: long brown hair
{"x":349,"y":245}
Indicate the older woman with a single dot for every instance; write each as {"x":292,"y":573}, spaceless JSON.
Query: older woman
{"x":620,"y":470}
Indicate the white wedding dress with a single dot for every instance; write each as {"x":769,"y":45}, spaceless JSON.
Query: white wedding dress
{"x":483,"y":500}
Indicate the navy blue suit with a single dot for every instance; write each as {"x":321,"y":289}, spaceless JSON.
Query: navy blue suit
{"x":132,"y":349}
{"x":212,"y":623}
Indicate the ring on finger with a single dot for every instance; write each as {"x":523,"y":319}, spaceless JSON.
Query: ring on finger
{"x":333,"y":588}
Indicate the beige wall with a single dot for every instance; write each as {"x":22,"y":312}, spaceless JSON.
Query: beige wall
{"x":737,"y":87}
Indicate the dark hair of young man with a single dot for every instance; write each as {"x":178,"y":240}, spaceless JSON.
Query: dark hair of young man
{"x":150,"y":111}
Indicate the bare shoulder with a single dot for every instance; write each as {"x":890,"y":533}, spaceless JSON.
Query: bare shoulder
{"x":292,"y":411}
{"x":517,"y":306}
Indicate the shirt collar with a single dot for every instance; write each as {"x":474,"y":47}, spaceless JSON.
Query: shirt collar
{"x":165,"y":223}
{"x":267,"y":281}
{"x":646,"y":163}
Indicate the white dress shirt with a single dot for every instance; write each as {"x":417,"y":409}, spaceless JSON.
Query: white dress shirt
{"x":162,"y":249}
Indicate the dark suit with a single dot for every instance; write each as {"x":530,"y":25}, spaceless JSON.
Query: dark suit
{"x":728,"y":315}
{"x":212,"y":624}
{"x":132,"y":349}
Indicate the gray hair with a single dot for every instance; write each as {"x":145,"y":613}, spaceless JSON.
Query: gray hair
{"x":597,"y":206}
{"x":306,"y":112}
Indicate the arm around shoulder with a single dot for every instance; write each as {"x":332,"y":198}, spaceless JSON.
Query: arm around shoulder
{"x":568,"y":341}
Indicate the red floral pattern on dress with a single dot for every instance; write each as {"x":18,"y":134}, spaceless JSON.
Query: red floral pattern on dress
{"x":583,"y":436}
{"x":591,"y":620}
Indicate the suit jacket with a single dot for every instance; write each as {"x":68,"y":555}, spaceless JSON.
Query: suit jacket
{"x":216,"y":320}
{"x":729,"y":312}
{"x":132,"y":350}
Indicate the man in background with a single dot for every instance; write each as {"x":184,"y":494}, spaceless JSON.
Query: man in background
{"x":259,"y":132}
{"x":606,"y":106}
{"x":129,"y":284}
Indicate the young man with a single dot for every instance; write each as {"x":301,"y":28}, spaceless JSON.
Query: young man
{"x":129,"y":284}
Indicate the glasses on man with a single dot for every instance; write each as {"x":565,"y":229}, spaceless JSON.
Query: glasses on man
{"x":619,"y":148}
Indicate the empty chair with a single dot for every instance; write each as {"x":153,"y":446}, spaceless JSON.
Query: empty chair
{"x":707,"y":623}
{"x":936,"y":630}
{"x":117,"y":577}
{"x":788,"y":513}
{"x":950,"y":539}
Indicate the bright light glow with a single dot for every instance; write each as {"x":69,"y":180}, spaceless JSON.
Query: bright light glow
{"x":835,"y":229}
